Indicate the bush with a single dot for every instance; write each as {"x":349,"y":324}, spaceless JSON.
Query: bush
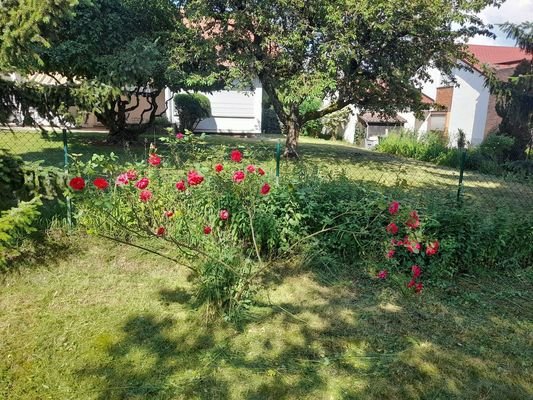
{"x":191,"y":109}
{"x":429,"y":147}
{"x":311,"y":128}
{"x":11,"y":179}
{"x":497,"y":147}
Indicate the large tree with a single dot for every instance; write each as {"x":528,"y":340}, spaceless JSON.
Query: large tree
{"x":515,"y":95}
{"x":106,"y":55}
{"x":369,"y":53}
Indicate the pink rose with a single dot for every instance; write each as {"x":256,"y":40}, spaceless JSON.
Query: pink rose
{"x":394,"y":207}
{"x":194,"y":178}
{"x":142,"y":183}
{"x":238,"y":176}
{"x":180,"y":185}
{"x":145,"y":196}
{"x":224,"y":215}
{"x":383,"y":274}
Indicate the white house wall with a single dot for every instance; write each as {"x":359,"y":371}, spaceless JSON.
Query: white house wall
{"x":469,"y":106}
{"x":232,"y":111}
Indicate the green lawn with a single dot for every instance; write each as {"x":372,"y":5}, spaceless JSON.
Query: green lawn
{"x":83,"y":318}
{"x":94,"y":320}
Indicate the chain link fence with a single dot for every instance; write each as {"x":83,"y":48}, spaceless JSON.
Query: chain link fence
{"x":413,"y":178}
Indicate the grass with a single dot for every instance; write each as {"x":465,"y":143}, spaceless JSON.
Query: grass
{"x":104,"y":321}
{"x":82,"y":318}
{"x":417,"y":179}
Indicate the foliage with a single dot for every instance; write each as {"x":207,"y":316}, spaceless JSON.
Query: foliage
{"x":15,"y":223}
{"x":311,"y":128}
{"x":335,"y":124}
{"x":407,"y":144}
{"x":191,"y":109}
{"x":497,"y":147}
{"x":371,"y":54}
{"x":11,"y":179}
{"x":515,"y":95}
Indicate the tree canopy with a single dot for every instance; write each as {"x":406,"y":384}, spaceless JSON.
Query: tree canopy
{"x":369,"y":53}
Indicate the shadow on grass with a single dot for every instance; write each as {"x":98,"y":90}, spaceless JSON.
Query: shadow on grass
{"x":346,"y":343}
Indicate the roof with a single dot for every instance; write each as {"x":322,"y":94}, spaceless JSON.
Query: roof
{"x":426,"y":99}
{"x":372,"y":118}
{"x":497,"y":57}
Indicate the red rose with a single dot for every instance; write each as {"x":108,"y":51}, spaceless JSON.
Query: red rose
{"x":383,"y":274}
{"x":390,"y":254}
{"x":160,"y":231}
{"x":101,"y":183}
{"x":77,"y":183}
{"x":194,"y":178}
{"x":142,"y":183}
{"x":419,"y":286}
{"x":132,"y":175}
{"x":238,"y":176}
{"x":169,"y":214}
{"x":180,"y":185}
{"x":414,"y":221}
{"x":145,"y":195}
{"x":219,"y":167}
{"x":260,"y":171}
{"x":432,"y":248}
{"x":250,"y":168}
{"x":265,"y":189}
{"x":416,"y":270}
{"x":394,"y":207}
{"x":392,"y":228}
{"x":207,"y":230}
{"x":411,"y":283}
{"x":224,"y":215}
{"x":236,"y":156}
{"x":180,"y":136}
{"x":154,"y":160}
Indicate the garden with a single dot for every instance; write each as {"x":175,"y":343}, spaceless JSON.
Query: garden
{"x":190,"y":269}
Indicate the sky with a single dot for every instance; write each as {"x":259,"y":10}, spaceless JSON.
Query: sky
{"x":515,"y":11}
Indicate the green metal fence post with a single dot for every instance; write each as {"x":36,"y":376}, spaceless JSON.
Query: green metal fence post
{"x":461,"y":172}
{"x":278,"y":158}
{"x":65,"y":153}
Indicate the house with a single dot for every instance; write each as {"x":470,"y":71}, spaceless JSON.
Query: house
{"x":468,"y":105}
{"x":232,"y":111}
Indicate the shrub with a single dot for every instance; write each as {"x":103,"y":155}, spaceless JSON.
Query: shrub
{"x":311,"y":128}
{"x":191,"y":109}
{"x":429,"y":147}
{"x":11,"y":179}
{"x":497,"y":147}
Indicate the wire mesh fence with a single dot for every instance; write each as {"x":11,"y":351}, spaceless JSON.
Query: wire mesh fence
{"x":394,"y":174}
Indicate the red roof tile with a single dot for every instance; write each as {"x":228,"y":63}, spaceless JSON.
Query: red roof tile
{"x":497,"y":57}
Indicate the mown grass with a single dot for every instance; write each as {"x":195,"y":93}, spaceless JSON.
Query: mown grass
{"x":105,"y":321}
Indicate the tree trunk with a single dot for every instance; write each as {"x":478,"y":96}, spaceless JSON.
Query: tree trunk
{"x":293,"y":126}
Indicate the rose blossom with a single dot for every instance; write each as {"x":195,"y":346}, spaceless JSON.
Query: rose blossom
{"x":160,"y":231}
{"x":145,"y":195}
{"x":207,"y":230}
{"x":219,"y":167}
{"x":383,"y":274}
{"x":101,"y":183}
{"x":432,"y":248}
{"x":419,"y":286}
{"x":238,"y":176}
{"x":411,"y":283}
{"x":390,"y":254}
{"x":142,"y":183}
{"x":132,"y":175}
{"x":77,"y":183}
{"x":180,"y":185}
{"x":169,"y":214}
{"x":414,"y":221}
{"x":416,"y":270}
{"x":194,"y":178}
{"x":122,"y":179}
{"x":250,"y":168}
{"x":224,"y":215}
{"x":265,"y":189}
{"x":154,"y":160}
{"x":260,"y":171}
{"x":394,"y":207}
{"x":392,"y":228}
{"x":236,"y":156}
{"x":180,"y":136}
